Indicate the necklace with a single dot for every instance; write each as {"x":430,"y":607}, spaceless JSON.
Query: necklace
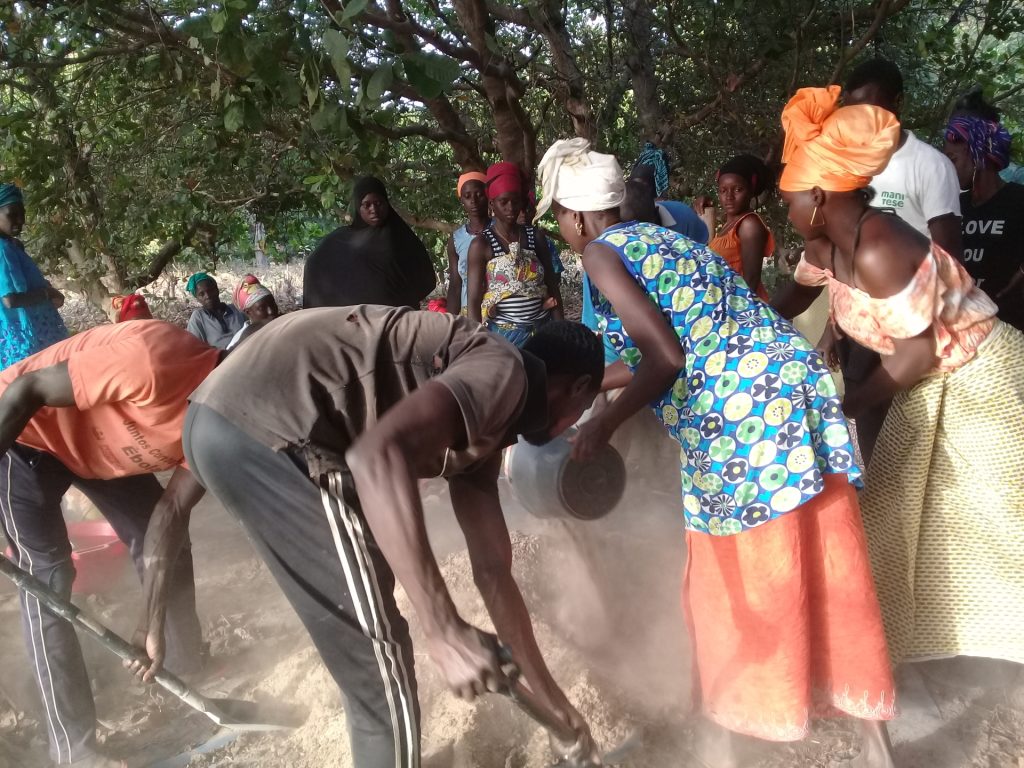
{"x":508,"y":241}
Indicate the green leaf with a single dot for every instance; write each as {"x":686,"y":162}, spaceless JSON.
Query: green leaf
{"x":324,"y":118}
{"x":337,"y":46}
{"x":380,"y":81}
{"x":353,"y":8}
{"x":218,"y":21}
{"x":234,"y":116}
{"x":430,"y":73}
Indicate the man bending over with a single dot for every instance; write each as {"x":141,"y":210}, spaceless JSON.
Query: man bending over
{"x":315,"y":439}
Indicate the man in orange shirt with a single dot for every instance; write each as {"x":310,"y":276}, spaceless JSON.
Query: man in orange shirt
{"x":102,"y":411}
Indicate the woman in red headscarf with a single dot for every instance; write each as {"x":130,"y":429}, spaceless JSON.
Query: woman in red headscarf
{"x":943,"y":503}
{"x":130,"y":307}
{"x":512,"y":284}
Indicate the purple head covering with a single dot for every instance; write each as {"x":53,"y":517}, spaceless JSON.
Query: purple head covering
{"x":987,"y":140}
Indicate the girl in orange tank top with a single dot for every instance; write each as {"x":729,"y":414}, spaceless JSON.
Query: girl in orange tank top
{"x":744,"y":241}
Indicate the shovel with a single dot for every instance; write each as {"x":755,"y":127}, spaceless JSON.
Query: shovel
{"x":527,"y":701}
{"x":228,"y":713}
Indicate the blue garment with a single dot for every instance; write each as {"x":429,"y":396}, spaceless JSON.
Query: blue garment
{"x":755,"y":411}
{"x":681,"y":218}
{"x":556,"y":258}
{"x":26,"y":330}
{"x":462,"y":239}
{"x":517,"y":333}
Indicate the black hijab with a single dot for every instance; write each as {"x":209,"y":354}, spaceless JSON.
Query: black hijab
{"x":360,"y":264}
{"x":368,"y":185}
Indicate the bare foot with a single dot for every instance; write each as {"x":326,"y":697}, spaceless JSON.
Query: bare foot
{"x":714,"y":746}
{"x":875,"y":747}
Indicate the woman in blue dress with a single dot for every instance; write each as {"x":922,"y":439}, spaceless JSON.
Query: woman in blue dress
{"x":29,"y":320}
{"x":777,"y":591}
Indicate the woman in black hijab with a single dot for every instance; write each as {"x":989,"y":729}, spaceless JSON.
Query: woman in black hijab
{"x":376,"y":260}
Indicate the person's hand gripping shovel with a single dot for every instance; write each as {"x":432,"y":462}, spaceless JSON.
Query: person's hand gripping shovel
{"x":574,"y":747}
{"x":234,"y":714}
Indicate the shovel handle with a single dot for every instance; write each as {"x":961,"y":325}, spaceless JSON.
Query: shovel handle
{"x":68,"y":611}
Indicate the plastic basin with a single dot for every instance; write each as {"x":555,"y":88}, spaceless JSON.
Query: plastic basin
{"x":100,"y":557}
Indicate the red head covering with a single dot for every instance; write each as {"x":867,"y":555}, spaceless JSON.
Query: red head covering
{"x":502,"y":178}
{"x":249,"y":291}
{"x":131,"y":307}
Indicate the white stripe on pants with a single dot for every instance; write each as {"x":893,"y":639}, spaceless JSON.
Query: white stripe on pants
{"x":370,"y":610}
{"x":60,"y":741}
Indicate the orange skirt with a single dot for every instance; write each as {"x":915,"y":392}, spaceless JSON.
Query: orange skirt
{"x":785,"y":622}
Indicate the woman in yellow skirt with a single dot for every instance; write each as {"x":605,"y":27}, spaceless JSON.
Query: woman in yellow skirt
{"x":944,"y":500}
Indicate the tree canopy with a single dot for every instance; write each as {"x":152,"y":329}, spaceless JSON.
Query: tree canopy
{"x":147,"y":129}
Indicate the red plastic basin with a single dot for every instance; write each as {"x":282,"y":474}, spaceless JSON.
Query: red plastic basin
{"x":100,"y":557}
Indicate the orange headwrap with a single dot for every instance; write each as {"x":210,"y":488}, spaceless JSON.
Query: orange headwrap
{"x":838,"y":150}
{"x":467,"y":177}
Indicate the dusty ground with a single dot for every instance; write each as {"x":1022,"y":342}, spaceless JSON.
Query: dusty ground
{"x":605,"y":599}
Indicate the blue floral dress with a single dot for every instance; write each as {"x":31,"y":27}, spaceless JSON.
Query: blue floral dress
{"x":25,"y":330}
{"x":755,"y":411}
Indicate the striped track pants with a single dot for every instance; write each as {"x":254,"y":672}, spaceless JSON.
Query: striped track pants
{"x":32,"y":485}
{"x":320,"y":550}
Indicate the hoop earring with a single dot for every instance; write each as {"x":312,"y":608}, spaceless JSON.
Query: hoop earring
{"x":579,"y":228}
{"x":813,"y":215}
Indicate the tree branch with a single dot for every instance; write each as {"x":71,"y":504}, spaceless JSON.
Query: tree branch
{"x":883,"y":11}
{"x":162,"y":258}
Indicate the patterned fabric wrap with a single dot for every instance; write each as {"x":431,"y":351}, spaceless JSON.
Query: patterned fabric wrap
{"x":24,"y":330}
{"x":943,"y":509}
{"x":194,"y":280}
{"x":10,"y":194}
{"x":657,"y":160}
{"x":517,"y":333}
{"x":515,"y":271}
{"x":987,"y":140}
{"x":249,"y":291}
{"x":755,"y":411}
{"x":836,"y":149}
{"x":941,"y":295}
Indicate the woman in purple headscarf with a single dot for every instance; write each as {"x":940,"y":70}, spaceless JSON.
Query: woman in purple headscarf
{"x":993,"y":210}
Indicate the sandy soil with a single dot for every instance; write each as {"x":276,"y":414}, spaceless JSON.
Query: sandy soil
{"x":605,"y":600}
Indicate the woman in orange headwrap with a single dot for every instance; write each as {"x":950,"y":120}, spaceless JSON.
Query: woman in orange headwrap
{"x":943,"y":503}
{"x":472,"y":193}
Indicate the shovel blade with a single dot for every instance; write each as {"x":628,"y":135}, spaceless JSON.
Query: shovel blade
{"x":250,"y":716}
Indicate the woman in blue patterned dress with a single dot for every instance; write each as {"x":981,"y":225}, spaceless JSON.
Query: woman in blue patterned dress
{"x":778,"y":589}
{"x":29,"y":320}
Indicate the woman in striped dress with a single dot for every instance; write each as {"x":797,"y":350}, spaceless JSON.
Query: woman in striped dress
{"x":512,"y":286}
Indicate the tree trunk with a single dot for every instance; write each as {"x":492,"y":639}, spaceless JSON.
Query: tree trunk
{"x":514,"y":134}
{"x":640,"y":64}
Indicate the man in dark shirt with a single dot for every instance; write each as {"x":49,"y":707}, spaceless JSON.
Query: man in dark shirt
{"x":315,"y":439}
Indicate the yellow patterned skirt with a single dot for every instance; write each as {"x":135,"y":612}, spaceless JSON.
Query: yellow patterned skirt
{"x":943,"y":508}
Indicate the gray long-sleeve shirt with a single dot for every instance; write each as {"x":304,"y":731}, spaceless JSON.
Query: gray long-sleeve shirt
{"x":215,"y":331}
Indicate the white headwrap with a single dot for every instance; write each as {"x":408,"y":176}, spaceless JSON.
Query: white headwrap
{"x":579,"y":179}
